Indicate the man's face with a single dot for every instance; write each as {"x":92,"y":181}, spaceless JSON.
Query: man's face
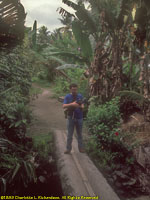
{"x":74,"y":90}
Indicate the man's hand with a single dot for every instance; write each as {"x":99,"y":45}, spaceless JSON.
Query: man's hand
{"x":75,"y":104}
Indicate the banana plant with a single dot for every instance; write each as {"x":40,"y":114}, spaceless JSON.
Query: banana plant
{"x":108,"y":22}
{"x":12,"y":19}
{"x":83,"y":26}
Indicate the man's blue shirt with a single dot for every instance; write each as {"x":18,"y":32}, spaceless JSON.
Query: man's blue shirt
{"x":78,"y":114}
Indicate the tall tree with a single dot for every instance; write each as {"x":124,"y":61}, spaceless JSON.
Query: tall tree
{"x":43,"y":36}
{"x":117,"y":34}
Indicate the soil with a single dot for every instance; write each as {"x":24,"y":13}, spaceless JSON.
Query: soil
{"x":47,"y":116}
{"x":48,"y":113}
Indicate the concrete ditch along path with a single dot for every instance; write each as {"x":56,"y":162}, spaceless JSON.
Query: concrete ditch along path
{"x":79,"y":176}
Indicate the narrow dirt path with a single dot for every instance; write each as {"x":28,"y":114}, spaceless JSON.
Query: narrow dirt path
{"x":78,"y":174}
{"x":48,"y":114}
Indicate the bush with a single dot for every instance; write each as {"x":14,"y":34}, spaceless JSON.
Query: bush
{"x":103,"y":122}
{"x":110,"y":147}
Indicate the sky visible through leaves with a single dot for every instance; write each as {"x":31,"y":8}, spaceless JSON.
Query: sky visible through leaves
{"x":44,"y":11}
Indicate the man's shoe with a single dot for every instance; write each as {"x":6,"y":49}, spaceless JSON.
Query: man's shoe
{"x":67,"y":152}
{"x":81,"y":150}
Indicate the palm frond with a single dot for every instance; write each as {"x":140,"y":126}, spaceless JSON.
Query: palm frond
{"x":12,"y":18}
{"x":86,"y":19}
{"x":64,"y":13}
{"x":83,"y":15}
{"x":67,"y":54}
{"x":70,"y":4}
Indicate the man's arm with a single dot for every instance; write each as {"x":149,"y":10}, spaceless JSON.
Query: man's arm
{"x":73,"y":104}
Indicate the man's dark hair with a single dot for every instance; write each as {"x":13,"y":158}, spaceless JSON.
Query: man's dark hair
{"x":73,"y":85}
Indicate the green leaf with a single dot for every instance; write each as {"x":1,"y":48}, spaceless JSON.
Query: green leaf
{"x":32,"y":171}
{"x":86,"y":19}
{"x":18,"y":123}
{"x":15,"y":171}
{"x":3,"y":184}
{"x":24,"y":121}
{"x":82,"y":39}
{"x":27,"y":170}
{"x":66,"y":54}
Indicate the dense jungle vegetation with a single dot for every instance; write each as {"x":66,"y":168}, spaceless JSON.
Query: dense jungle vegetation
{"x":104,"y":47}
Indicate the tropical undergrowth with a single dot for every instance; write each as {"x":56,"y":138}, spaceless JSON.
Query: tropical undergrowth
{"x":47,"y":179}
{"x":61,"y":84}
{"x":15,"y":82}
{"x":16,"y":168}
{"x":26,"y":164}
{"x":108,"y":146}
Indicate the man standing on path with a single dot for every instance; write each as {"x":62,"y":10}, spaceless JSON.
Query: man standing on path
{"x":73,"y":103}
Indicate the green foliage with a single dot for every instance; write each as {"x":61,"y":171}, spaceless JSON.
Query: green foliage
{"x":106,"y":115}
{"x":133,"y":96}
{"x":43,"y":36}
{"x":15,"y":82}
{"x":43,"y":143}
{"x":103,"y":122}
{"x":82,"y":26}
{"x":101,"y":157}
{"x":82,"y":39}
{"x":61,"y":86}
{"x":16,"y":167}
{"x":83,"y":16}
{"x":131,"y":73}
{"x":131,"y":102}
{"x":64,"y":47}
{"x":76,"y":76}
{"x":110,"y":148}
